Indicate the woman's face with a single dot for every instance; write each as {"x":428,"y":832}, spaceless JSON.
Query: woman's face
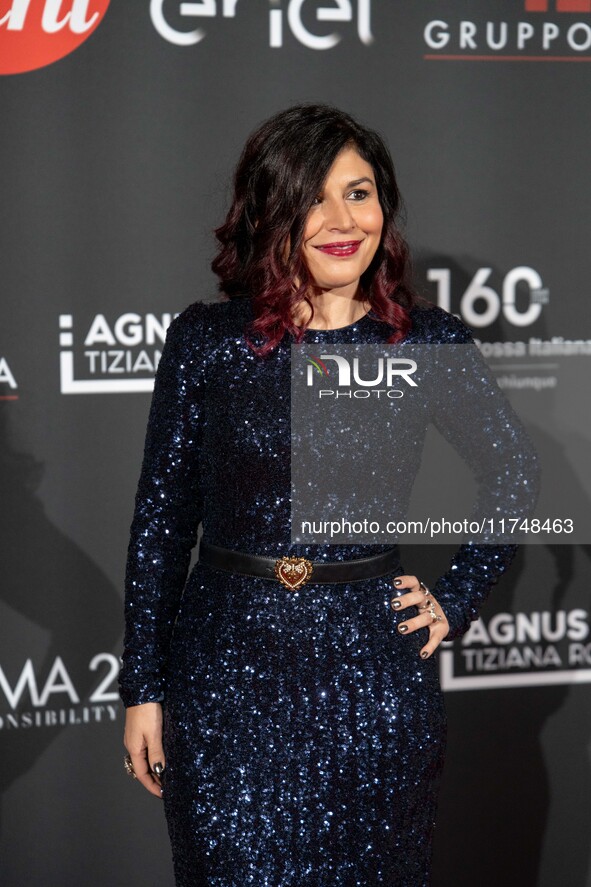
{"x":344,"y":227}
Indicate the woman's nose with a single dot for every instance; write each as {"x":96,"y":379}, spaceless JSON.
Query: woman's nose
{"x":338,"y":215}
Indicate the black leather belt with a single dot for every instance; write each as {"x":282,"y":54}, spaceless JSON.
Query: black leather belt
{"x":295,"y":571}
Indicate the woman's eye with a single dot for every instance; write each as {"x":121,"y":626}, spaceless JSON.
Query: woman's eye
{"x":359,"y":194}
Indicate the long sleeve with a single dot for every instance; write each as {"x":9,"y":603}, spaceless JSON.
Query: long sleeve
{"x":474,"y":415}
{"x":167,"y":511}
{"x":474,"y":571}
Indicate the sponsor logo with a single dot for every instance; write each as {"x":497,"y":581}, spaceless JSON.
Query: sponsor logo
{"x":33,"y":701}
{"x":36,"y":33}
{"x":8,"y":386}
{"x":520,"y":650}
{"x":561,"y":5}
{"x":550,"y":34}
{"x":293,"y":17}
{"x":113,"y":355}
{"x":518,"y":299}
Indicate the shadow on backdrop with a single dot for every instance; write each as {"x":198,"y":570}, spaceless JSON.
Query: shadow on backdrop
{"x":496,"y":792}
{"x":74,"y":612}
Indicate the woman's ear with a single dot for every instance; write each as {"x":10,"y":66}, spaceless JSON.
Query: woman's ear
{"x":286,"y":248}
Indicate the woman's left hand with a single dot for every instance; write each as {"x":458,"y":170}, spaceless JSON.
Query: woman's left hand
{"x":431,"y":615}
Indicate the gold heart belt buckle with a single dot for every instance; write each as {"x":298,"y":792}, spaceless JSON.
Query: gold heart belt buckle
{"x":293,"y":571}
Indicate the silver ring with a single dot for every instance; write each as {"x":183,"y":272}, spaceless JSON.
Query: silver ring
{"x":432,"y":613}
{"x":423,"y":587}
{"x":129,"y":769}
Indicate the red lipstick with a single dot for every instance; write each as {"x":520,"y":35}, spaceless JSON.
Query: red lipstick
{"x":341,"y":248}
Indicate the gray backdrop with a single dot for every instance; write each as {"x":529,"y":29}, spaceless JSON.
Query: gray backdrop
{"x":115,"y":168}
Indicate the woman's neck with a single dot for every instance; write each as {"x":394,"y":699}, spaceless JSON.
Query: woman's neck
{"x":332,"y":311}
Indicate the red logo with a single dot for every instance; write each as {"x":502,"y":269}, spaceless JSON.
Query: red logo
{"x":561,"y":5}
{"x":35,"y":33}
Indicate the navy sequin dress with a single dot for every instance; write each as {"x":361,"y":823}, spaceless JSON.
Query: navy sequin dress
{"x":303,"y":734}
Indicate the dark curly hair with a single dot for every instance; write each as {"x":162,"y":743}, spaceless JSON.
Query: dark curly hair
{"x":281,"y":171}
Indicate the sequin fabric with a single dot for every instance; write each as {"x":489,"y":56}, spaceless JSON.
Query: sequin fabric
{"x":304,"y":736}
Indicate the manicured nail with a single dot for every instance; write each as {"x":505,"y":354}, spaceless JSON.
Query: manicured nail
{"x":398,"y":582}
{"x":402,"y":628}
{"x":395,"y":603}
{"x":424,"y":654}
{"x":158,"y":768}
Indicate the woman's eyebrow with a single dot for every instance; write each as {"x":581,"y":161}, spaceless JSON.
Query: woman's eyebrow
{"x":356,"y":182}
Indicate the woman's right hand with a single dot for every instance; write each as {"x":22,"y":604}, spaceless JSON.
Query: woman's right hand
{"x":143,"y":741}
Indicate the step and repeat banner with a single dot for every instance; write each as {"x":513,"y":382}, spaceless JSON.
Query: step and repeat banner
{"x":121,"y":124}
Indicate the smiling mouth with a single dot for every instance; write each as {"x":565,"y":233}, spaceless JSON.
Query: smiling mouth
{"x":342,"y":248}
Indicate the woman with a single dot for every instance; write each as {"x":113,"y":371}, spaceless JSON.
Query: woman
{"x":299,"y":718}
